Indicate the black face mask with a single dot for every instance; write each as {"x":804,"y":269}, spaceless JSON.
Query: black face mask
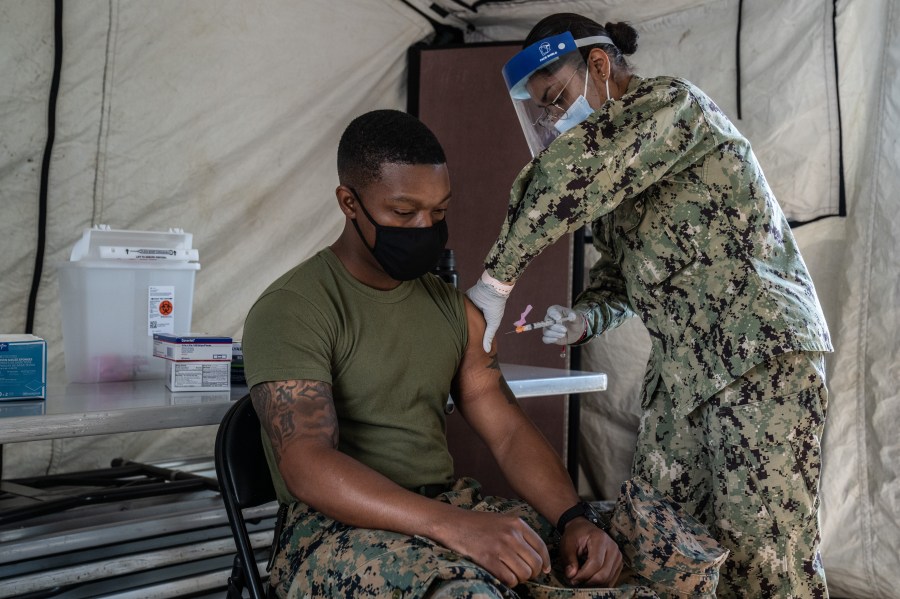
{"x":405,"y":253}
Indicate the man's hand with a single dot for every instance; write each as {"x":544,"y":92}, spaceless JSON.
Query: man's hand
{"x":502,"y":544}
{"x":589,"y":556}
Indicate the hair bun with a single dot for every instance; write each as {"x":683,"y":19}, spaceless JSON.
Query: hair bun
{"x":624,"y":36}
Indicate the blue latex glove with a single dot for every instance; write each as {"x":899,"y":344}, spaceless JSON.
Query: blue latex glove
{"x":571,"y":326}
{"x":490,"y":296}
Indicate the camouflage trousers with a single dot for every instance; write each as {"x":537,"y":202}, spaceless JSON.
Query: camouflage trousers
{"x":320,"y":557}
{"x":746,"y":464}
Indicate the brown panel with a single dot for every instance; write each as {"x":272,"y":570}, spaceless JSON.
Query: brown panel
{"x":463,"y":99}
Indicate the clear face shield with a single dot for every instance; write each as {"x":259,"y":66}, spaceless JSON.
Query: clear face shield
{"x":544,"y":82}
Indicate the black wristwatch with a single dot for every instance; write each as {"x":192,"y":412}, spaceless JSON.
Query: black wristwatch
{"x":580,"y":509}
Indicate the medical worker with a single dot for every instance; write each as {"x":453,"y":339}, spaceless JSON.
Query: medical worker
{"x":692,"y":241}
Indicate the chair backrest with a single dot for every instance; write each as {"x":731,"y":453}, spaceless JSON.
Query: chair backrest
{"x":244,"y":480}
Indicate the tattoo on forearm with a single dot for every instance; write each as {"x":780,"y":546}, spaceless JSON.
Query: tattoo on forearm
{"x":507,"y":392}
{"x":291,"y":410}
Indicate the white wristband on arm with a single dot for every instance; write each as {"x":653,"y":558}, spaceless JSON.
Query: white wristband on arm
{"x":503,"y":289}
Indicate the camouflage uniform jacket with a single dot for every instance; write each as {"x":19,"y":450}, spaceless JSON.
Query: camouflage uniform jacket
{"x":691,"y":237}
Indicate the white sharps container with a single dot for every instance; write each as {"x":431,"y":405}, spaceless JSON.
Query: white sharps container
{"x":118,"y":288}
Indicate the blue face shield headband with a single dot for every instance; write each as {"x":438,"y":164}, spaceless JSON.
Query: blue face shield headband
{"x":554,"y":52}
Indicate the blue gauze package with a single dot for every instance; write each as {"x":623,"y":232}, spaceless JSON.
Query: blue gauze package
{"x":23,"y":367}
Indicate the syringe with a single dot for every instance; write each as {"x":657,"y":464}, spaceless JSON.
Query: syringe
{"x":541,"y":324}
{"x":534,"y":325}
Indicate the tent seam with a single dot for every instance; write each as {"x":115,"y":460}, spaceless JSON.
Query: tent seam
{"x":834,"y":65}
{"x":103,"y":129}
{"x":833,"y":101}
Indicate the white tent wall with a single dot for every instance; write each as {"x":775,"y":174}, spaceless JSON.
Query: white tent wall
{"x":223,"y":117}
{"x":861,"y":537}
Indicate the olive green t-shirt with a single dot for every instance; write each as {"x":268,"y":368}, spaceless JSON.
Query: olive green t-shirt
{"x":389,"y":357}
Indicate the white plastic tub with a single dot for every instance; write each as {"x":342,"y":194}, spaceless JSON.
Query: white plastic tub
{"x":118,"y":288}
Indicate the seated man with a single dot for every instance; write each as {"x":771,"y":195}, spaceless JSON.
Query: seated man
{"x":351,"y":357}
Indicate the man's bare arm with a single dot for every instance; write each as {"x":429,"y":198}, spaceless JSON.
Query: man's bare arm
{"x":301,"y":421}
{"x":290,"y":410}
{"x":529,"y":463}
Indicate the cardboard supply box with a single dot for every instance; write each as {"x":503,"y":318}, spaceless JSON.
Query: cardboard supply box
{"x":195,"y":362}
{"x":192,"y":347}
{"x":23,"y":367}
{"x":198,"y":375}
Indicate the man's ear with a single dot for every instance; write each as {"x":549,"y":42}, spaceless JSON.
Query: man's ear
{"x":346,"y":201}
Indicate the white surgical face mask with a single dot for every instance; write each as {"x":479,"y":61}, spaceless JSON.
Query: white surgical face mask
{"x":579,"y":110}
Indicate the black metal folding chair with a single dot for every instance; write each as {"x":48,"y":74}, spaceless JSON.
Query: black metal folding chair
{"x":245,"y":482}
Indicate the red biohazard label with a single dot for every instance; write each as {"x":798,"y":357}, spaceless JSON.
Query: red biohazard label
{"x":165,"y":307}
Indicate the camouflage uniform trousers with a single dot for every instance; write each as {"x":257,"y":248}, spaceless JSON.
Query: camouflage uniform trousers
{"x":320,"y":557}
{"x":746,"y":464}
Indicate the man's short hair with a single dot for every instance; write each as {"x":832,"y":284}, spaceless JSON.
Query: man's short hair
{"x":382,"y":137}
